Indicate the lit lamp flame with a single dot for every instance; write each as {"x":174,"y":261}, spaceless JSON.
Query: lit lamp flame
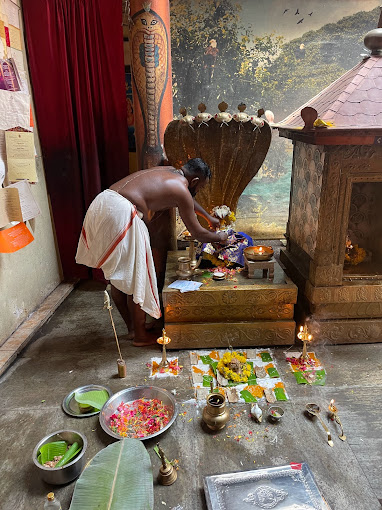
{"x":261,"y":249}
{"x":164,"y":340}
{"x":334,"y":416}
{"x":332,"y":407}
{"x":305,"y":337}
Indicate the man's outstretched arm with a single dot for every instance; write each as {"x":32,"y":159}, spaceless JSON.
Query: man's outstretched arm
{"x":213,"y":222}
{"x":187,"y":211}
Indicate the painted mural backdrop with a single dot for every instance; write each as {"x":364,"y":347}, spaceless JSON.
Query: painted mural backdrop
{"x":274,"y":54}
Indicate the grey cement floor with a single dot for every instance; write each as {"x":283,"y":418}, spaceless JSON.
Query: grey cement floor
{"x":77,"y":347}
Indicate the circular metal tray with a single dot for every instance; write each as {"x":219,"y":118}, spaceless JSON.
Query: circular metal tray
{"x":71,"y":407}
{"x":128,"y":396}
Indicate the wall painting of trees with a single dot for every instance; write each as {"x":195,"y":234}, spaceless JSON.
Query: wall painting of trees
{"x":271,"y":54}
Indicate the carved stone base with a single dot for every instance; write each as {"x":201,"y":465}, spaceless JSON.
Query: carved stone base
{"x":236,"y":334}
{"x":350,"y":331}
{"x":249,"y":311}
{"x":347,"y":313}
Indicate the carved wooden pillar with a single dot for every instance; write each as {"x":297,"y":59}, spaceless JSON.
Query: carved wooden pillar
{"x":152,"y":91}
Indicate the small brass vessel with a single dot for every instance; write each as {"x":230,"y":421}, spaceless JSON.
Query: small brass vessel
{"x":216,"y":413}
{"x":184,"y":268}
{"x":167,"y":474}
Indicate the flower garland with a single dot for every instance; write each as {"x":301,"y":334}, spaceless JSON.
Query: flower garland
{"x":140,"y":418}
{"x":355,"y":255}
{"x":228,"y":373}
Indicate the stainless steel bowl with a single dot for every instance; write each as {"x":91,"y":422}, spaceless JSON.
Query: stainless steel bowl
{"x":129,"y":395}
{"x":67,"y":473}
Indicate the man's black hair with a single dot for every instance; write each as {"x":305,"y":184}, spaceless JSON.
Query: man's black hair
{"x":197,"y":168}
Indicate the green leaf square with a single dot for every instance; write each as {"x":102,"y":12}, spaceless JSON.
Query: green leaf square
{"x":265,"y":356}
{"x":272,"y":372}
{"x":247,"y":396}
{"x":280,"y":394}
{"x":207,"y":379}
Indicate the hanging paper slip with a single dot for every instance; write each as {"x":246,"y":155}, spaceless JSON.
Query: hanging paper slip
{"x":15,"y":238}
{"x":10,"y":209}
{"x":29,"y":206}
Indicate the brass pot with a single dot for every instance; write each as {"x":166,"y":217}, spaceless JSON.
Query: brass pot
{"x":184,"y":268}
{"x":215,"y":414}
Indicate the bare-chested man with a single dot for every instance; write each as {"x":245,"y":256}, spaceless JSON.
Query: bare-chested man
{"x":115,"y":238}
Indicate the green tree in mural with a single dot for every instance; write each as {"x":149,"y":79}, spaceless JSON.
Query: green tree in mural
{"x":260,"y":71}
{"x":198,"y":27}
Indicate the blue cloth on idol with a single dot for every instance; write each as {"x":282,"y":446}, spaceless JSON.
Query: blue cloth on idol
{"x":234,"y":253}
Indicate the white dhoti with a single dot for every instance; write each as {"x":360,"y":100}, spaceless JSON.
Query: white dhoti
{"x":115,"y":239}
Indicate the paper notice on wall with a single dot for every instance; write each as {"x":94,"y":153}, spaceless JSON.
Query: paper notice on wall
{"x":21,"y":161}
{"x":15,"y":109}
{"x":15,"y":238}
{"x":10,"y":209}
{"x":15,"y":37}
{"x":29,"y":206}
{"x":12,"y":12}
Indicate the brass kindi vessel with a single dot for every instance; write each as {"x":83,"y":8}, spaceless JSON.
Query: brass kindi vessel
{"x":216,"y":413}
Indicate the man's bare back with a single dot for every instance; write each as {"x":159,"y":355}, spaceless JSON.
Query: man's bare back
{"x":160,"y":188}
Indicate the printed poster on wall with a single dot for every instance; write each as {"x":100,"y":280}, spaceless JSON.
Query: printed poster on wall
{"x":21,"y":161}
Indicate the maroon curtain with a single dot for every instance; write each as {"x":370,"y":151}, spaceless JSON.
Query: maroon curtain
{"x":75,"y":54}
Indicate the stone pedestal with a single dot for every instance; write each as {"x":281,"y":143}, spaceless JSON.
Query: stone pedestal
{"x":242,"y":313}
{"x":266,"y":266}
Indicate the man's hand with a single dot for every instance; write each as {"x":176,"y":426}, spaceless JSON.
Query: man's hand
{"x":223,"y":237}
{"x":214,"y":222}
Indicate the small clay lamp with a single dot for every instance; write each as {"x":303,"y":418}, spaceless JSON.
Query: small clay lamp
{"x":164,"y":340}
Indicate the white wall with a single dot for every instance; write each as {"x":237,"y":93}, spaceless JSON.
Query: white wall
{"x":29,"y":275}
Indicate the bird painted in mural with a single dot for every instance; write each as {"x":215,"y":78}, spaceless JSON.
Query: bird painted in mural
{"x":286,"y":10}
{"x":301,"y":20}
{"x":297,"y":12}
{"x":310,"y":13}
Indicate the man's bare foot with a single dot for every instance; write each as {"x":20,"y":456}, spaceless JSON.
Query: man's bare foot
{"x":149,"y":339}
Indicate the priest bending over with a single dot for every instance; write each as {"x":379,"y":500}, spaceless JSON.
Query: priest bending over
{"x":115,"y":238}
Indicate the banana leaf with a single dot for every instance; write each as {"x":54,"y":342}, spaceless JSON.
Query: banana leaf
{"x":118,"y":478}
{"x":95,"y":398}
{"x":48,"y":451}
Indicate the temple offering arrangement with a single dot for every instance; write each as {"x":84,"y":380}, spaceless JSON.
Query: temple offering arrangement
{"x":140,"y":418}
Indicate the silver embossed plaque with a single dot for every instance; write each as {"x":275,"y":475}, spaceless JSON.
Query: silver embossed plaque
{"x":289,"y":487}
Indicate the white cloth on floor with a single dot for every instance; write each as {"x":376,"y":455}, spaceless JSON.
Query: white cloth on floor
{"x":115,"y":239}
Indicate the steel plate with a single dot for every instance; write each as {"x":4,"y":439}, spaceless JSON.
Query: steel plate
{"x":71,"y":407}
{"x":289,"y":487}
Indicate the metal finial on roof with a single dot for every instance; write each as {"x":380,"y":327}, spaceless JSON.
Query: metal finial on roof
{"x":373,"y":39}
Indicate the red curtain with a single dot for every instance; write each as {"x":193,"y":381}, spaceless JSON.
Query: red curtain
{"x":75,"y":54}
